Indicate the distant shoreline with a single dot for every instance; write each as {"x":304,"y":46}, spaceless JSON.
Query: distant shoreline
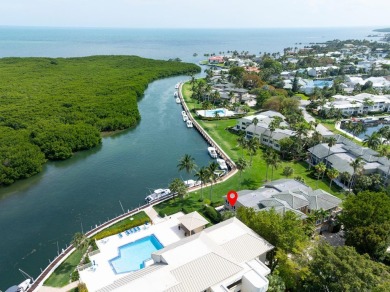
{"x":382,"y":29}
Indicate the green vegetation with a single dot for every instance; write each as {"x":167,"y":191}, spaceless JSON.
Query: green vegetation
{"x":252,"y":178}
{"x":61,"y":276}
{"x":53,"y":107}
{"x":136,"y":220}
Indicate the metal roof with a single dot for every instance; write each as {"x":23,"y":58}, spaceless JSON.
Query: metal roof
{"x":193,"y":221}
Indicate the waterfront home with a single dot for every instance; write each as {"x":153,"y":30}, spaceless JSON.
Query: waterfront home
{"x":287,"y":195}
{"x":228,"y":256}
{"x":216,"y":60}
{"x":360,"y":104}
{"x":340,"y":155}
{"x":261,"y":130}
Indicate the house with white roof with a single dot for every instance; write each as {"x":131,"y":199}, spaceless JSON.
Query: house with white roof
{"x":284,"y":195}
{"x":362,"y":103}
{"x":228,"y":256}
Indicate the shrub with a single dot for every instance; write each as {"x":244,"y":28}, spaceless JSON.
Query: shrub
{"x":161,"y":214}
{"x":207,"y":202}
{"x":211,"y":214}
{"x":74,"y":276}
{"x":82,"y":287}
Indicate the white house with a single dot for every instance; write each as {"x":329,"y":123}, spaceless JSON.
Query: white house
{"x":228,"y":256}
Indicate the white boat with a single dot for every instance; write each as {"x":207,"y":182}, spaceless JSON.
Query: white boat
{"x":22,"y":287}
{"x":175,"y":94}
{"x":192,"y":183}
{"x":178,"y":100}
{"x":189,"y":124}
{"x":222,"y":164}
{"x":158,"y":194}
{"x":183,"y":113}
{"x":177,"y":85}
{"x":212,"y":152}
{"x":185,"y":118}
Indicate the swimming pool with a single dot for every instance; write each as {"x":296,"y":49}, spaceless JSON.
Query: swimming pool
{"x":322,"y":83}
{"x":211,"y":113}
{"x":132,"y":255}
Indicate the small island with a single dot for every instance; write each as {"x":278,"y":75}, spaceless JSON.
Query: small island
{"x":52,"y":107}
{"x":382,"y":29}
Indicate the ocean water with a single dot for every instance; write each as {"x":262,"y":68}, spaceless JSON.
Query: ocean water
{"x":44,"y":211}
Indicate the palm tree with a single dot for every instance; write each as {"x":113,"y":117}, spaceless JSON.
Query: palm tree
{"x":242,"y":141}
{"x":202,"y":176}
{"x":332,"y":175}
{"x":331,"y":142}
{"x":320,"y":169}
{"x":252,"y":146}
{"x":267,"y":154}
{"x":212,"y":176}
{"x":274,"y":162}
{"x":373,"y":141}
{"x":357,"y":166}
{"x":255,"y":121}
{"x":241,"y":165}
{"x":80,"y":241}
{"x":187,"y":162}
{"x":385,"y":133}
{"x":178,"y":188}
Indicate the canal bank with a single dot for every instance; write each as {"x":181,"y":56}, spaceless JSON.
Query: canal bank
{"x":43,"y":212}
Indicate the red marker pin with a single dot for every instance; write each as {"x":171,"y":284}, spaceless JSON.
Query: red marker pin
{"x":232,"y":197}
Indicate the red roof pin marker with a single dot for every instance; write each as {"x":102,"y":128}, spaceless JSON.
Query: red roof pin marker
{"x":232,"y":197}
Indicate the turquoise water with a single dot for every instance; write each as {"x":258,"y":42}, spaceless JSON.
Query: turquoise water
{"x":322,"y":83}
{"x":74,"y":195}
{"x":132,"y":255}
{"x":211,"y":113}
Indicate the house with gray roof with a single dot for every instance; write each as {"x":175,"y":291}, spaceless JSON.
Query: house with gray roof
{"x":261,"y":130}
{"x":340,"y":156}
{"x":284,"y":195}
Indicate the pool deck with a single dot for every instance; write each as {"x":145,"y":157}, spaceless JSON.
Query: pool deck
{"x":166,"y":230}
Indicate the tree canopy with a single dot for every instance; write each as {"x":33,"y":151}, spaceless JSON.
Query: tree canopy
{"x":53,"y":107}
{"x":366,"y":219}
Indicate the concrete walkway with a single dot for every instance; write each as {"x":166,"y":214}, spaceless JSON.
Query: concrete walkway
{"x":153,"y":215}
{"x":62,"y":289}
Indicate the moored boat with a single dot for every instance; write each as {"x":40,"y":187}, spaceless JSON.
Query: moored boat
{"x":178,"y":100}
{"x":177,"y":85}
{"x":189,"y":124}
{"x":192,"y":183}
{"x":22,"y":287}
{"x":158,"y":194}
{"x":185,"y":118}
{"x":212,"y":152}
{"x":222,"y":164}
{"x":175,"y":94}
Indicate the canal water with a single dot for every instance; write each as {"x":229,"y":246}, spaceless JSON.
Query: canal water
{"x":47,"y":209}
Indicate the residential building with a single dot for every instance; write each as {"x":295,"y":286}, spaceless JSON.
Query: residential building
{"x":228,"y":256}
{"x":216,"y":60}
{"x":261,"y":130}
{"x":360,"y":104}
{"x":287,"y":195}
{"x":340,"y":155}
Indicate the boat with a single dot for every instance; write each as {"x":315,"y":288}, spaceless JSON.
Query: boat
{"x":177,"y":85}
{"x":22,"y":287}
{"x":185,"y":118}
{"x":192,"y":183}
{"x":157,"y":194}
{"x":176,"y":94}
{"x":178,"y":100}
{"x":183,"y":113}
{"x":222,"y":164}
{"x":189,"y":124}
{"x":212,"y":152}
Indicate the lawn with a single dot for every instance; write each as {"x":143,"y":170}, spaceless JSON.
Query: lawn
{"x":61,"y":276}
{"x":252,"y":178}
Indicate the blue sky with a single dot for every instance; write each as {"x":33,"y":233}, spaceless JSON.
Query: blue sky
{"x":196,"y":14}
